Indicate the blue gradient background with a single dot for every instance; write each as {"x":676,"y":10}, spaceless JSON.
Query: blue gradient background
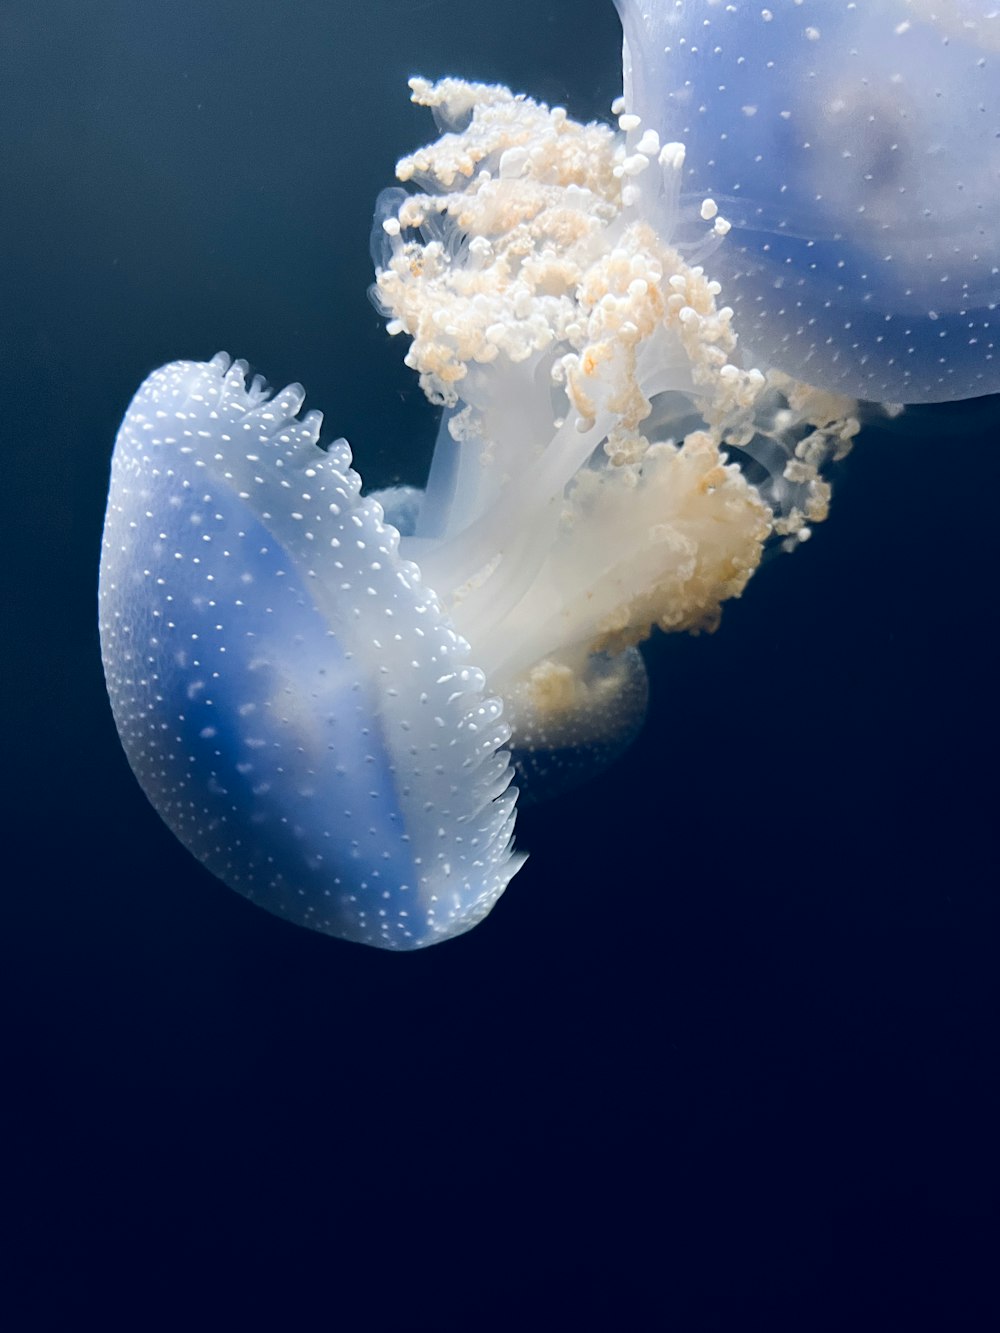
{"x":725,"y":1054}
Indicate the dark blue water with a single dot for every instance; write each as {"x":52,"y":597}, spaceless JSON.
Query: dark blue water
{"x":725,"y":1055}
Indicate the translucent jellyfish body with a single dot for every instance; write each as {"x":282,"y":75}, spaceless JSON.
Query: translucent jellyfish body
{"x":855,"y":150}
{"x":290,"y":696}
{"x":319,"y":691}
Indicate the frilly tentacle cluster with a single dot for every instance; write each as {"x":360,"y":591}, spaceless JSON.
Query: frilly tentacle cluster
{"x":591,"y":370}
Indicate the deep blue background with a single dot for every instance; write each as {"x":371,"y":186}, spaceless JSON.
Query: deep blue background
{"x":725,"y":1056}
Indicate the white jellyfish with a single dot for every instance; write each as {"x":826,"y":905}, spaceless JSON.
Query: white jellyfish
{"x":326,"y":695}
{"x":855,"y":151}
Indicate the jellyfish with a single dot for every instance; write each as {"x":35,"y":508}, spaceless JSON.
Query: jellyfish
{"x":334,"y":698}
{"x":855,"y":151}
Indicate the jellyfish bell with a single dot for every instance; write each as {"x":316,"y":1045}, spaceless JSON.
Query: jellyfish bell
{"x":855,"y":151}
{"x":290,"y":695}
